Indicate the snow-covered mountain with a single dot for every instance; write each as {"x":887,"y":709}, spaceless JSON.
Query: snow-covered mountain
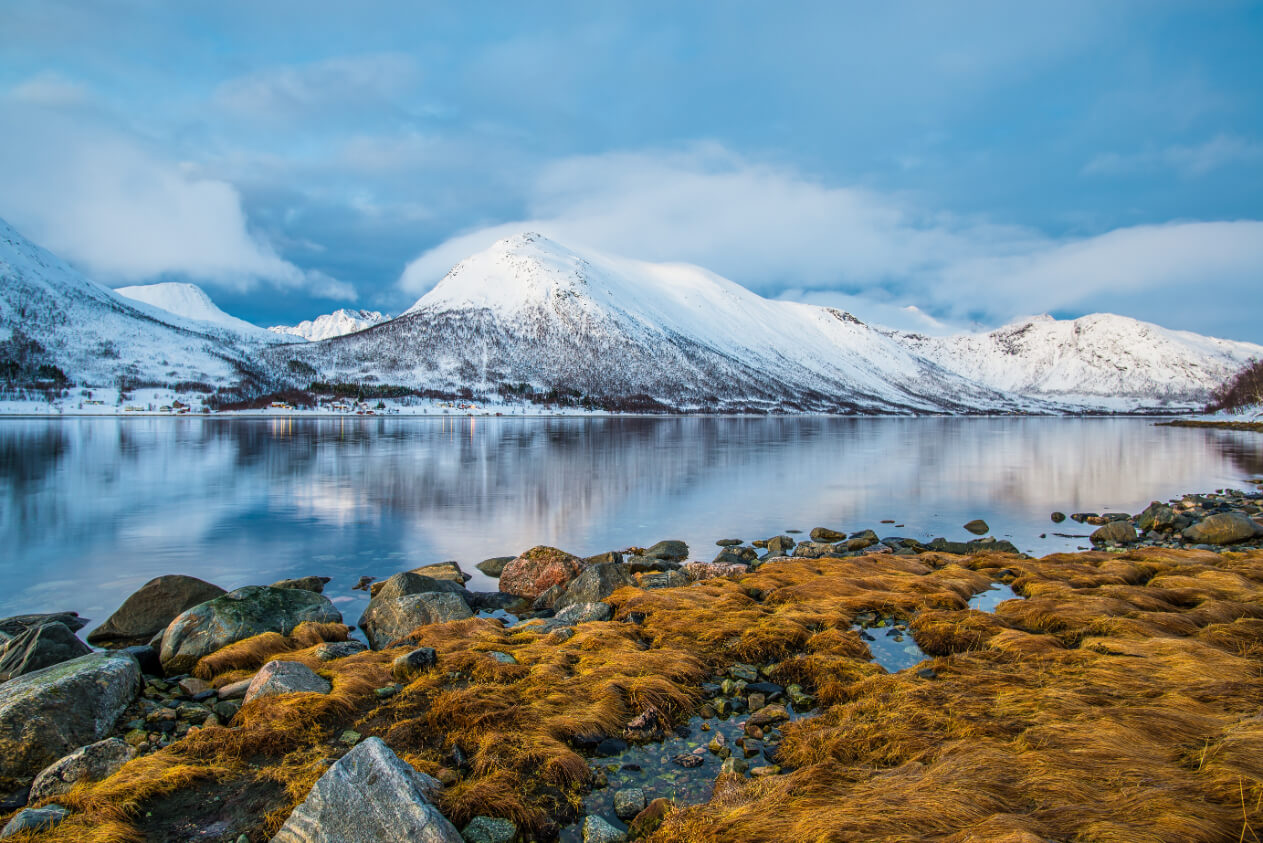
{"x":1100,"y":361}
{"x":190,"y":302}
{"x":97,"y":337}
{"x":629,"y":333}
{"x":336,"y":324}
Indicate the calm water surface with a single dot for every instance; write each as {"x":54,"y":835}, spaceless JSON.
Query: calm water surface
{"x":92,"y":508}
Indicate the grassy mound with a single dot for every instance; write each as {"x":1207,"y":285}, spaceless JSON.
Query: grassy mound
{"x":1118,"y":701}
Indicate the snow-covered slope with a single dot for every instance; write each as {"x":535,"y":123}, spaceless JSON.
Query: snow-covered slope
{"x":336,"y":324}
{"x":1099,"y":361}
{"x":97,"y":337}
{"x":191,"y":302}
{"x":529,"y":311}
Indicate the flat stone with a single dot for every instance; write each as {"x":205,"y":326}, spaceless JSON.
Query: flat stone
{"x":40,"y":647}
{"x":449,"y":571}
{"x":50,"y":713}
{"x":88,"y":764}
{"x":369,"y":796}
{"x":151,"y":608}
{"x":235,"y":690}
{"x":35,"y":819}
{"x":281,"y":677}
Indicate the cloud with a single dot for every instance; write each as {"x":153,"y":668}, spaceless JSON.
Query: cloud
{"x":100,"y":198}
{"x":1196,"y":160}
{"x":294,"y":92}
{"x":782,"y":233}
{"x":49,"y":88}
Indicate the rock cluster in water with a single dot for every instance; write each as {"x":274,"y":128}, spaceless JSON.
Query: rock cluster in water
{"x":1228,"y":519}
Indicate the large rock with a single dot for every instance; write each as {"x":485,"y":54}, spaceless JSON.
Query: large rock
{"x":88,"y":764}
{"x":410,"y":582}
{"x":450,"y":571}
{"x":369,"y":796}
{"x":780,"y":546}
{"x":1115,"y":532}
{"x":282,"y":677}
{"x":672,"y":549}
{"x":583,"y":613}
{"x":50,"y":713}
{"x":824,"y":534}
{"x":40,"y":647}
{"x":595,"y":584}
{"x":151,"y":608}
{"x":34,"y":819}
{"x":539,"y":569}
{"x":388,"y":620}
{"x":236,"y":616}
{"x":1223,"y":528}
{"x":16,"y":625}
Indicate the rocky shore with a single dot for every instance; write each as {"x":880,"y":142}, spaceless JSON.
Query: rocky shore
{"x":641,"y":695}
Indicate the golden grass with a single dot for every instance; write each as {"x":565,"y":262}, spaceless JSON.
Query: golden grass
{"x":1119,"y":702}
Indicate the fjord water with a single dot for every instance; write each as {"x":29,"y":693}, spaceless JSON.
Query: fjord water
{"x":92,"y":508}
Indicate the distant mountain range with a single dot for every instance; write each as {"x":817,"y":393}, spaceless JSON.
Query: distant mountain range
{"x":529,"y":317}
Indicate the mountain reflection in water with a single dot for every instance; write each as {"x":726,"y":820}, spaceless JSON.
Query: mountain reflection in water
{"x":92,"y":508}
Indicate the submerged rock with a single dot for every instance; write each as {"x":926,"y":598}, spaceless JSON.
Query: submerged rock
{"x":281,"y":677}
{"x":369,"y":796}
{"x":40,"y":647}
{"x":494,"y":566}
{"x":599,"y":830}
{"x":50,"y":713}
{"x":489,"y":830}
{"x":238,"y":615}
{"x":89,"y":764}
{"x":388,"y":620}
{"x":628,"y":802}
{"x":538,"y":570}
{"x":151,"y":608}
{"x":316,"y":584}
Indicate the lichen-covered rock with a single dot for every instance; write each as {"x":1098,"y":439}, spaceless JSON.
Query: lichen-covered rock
{"x":815,"y":550}
{"x":88,"y":764}
{"x":489,"y":830}
{"x":238,"y":615}
{"x":410,"y":582}
{"x":50,"y":713}
{"x":1223,"y":528}
{"x":369,"y":796}
{"x":316,"y":584}
{"x":665,"y":579}
{"x":449,"y":571}
{"x":697,"y":571}
{"x":583,"y":613}
{"x":539,"y":569}
{"x":599,"y":830}
{"x":339,"y":649}
{"x":40,"y":647}
{"x":151,"y":608}
{"x":594,"y":584}
{"x":281,"y":677}
{"x":388,"y":620}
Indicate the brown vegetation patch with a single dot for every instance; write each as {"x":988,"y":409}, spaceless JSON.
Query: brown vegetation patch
{"x":1119,"y":701}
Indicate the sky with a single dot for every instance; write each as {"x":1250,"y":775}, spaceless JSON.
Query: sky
{"x":931,"y":165}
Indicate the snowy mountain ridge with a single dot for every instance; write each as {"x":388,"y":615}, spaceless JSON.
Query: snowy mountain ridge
{"x":339,"y":323}
{"x":190,"y":302}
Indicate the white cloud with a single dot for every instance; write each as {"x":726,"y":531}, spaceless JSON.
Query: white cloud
{"x":781,"y":233}
{"x":100,"y":198}
{"x":49,"y":88}
{"x":1189,"y":160}
{"x":291,"y":92}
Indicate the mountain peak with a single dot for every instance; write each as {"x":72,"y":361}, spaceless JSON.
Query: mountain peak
{"x":187,"y":300}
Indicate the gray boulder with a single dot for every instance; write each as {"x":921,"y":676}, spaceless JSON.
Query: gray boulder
{"x":814,"y":550}
{"x":150,"y":609}
{"x":388,"y":620}
{"x":494,"y":566}
{"x":34,"y":819}
{"x":489,"y":830}
{"x":643,"y":564}
{"x":780,"y":546}
{"x":410,"y":582}
{"x":238,"y":615}
{"x":281,"y":677}
{"x":583,"y":612}
{"x":316,"y":584}
{"x":1115,"y":532}
{"x":672,"y":549}
{"x":88,"y":764}
{"x":607,"y":556}
{"x":40,"y":647}
{"x":595,"y":584}
{"x":1223,"y":528}
{"x":665,"y":579}
{"x":369,"y":796}
{"x":48,"y":714}
{"x":16,"y":625}
{"x":339,"y":649}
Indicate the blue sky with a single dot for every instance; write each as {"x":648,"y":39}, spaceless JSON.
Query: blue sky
{"x":979,"y":161}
